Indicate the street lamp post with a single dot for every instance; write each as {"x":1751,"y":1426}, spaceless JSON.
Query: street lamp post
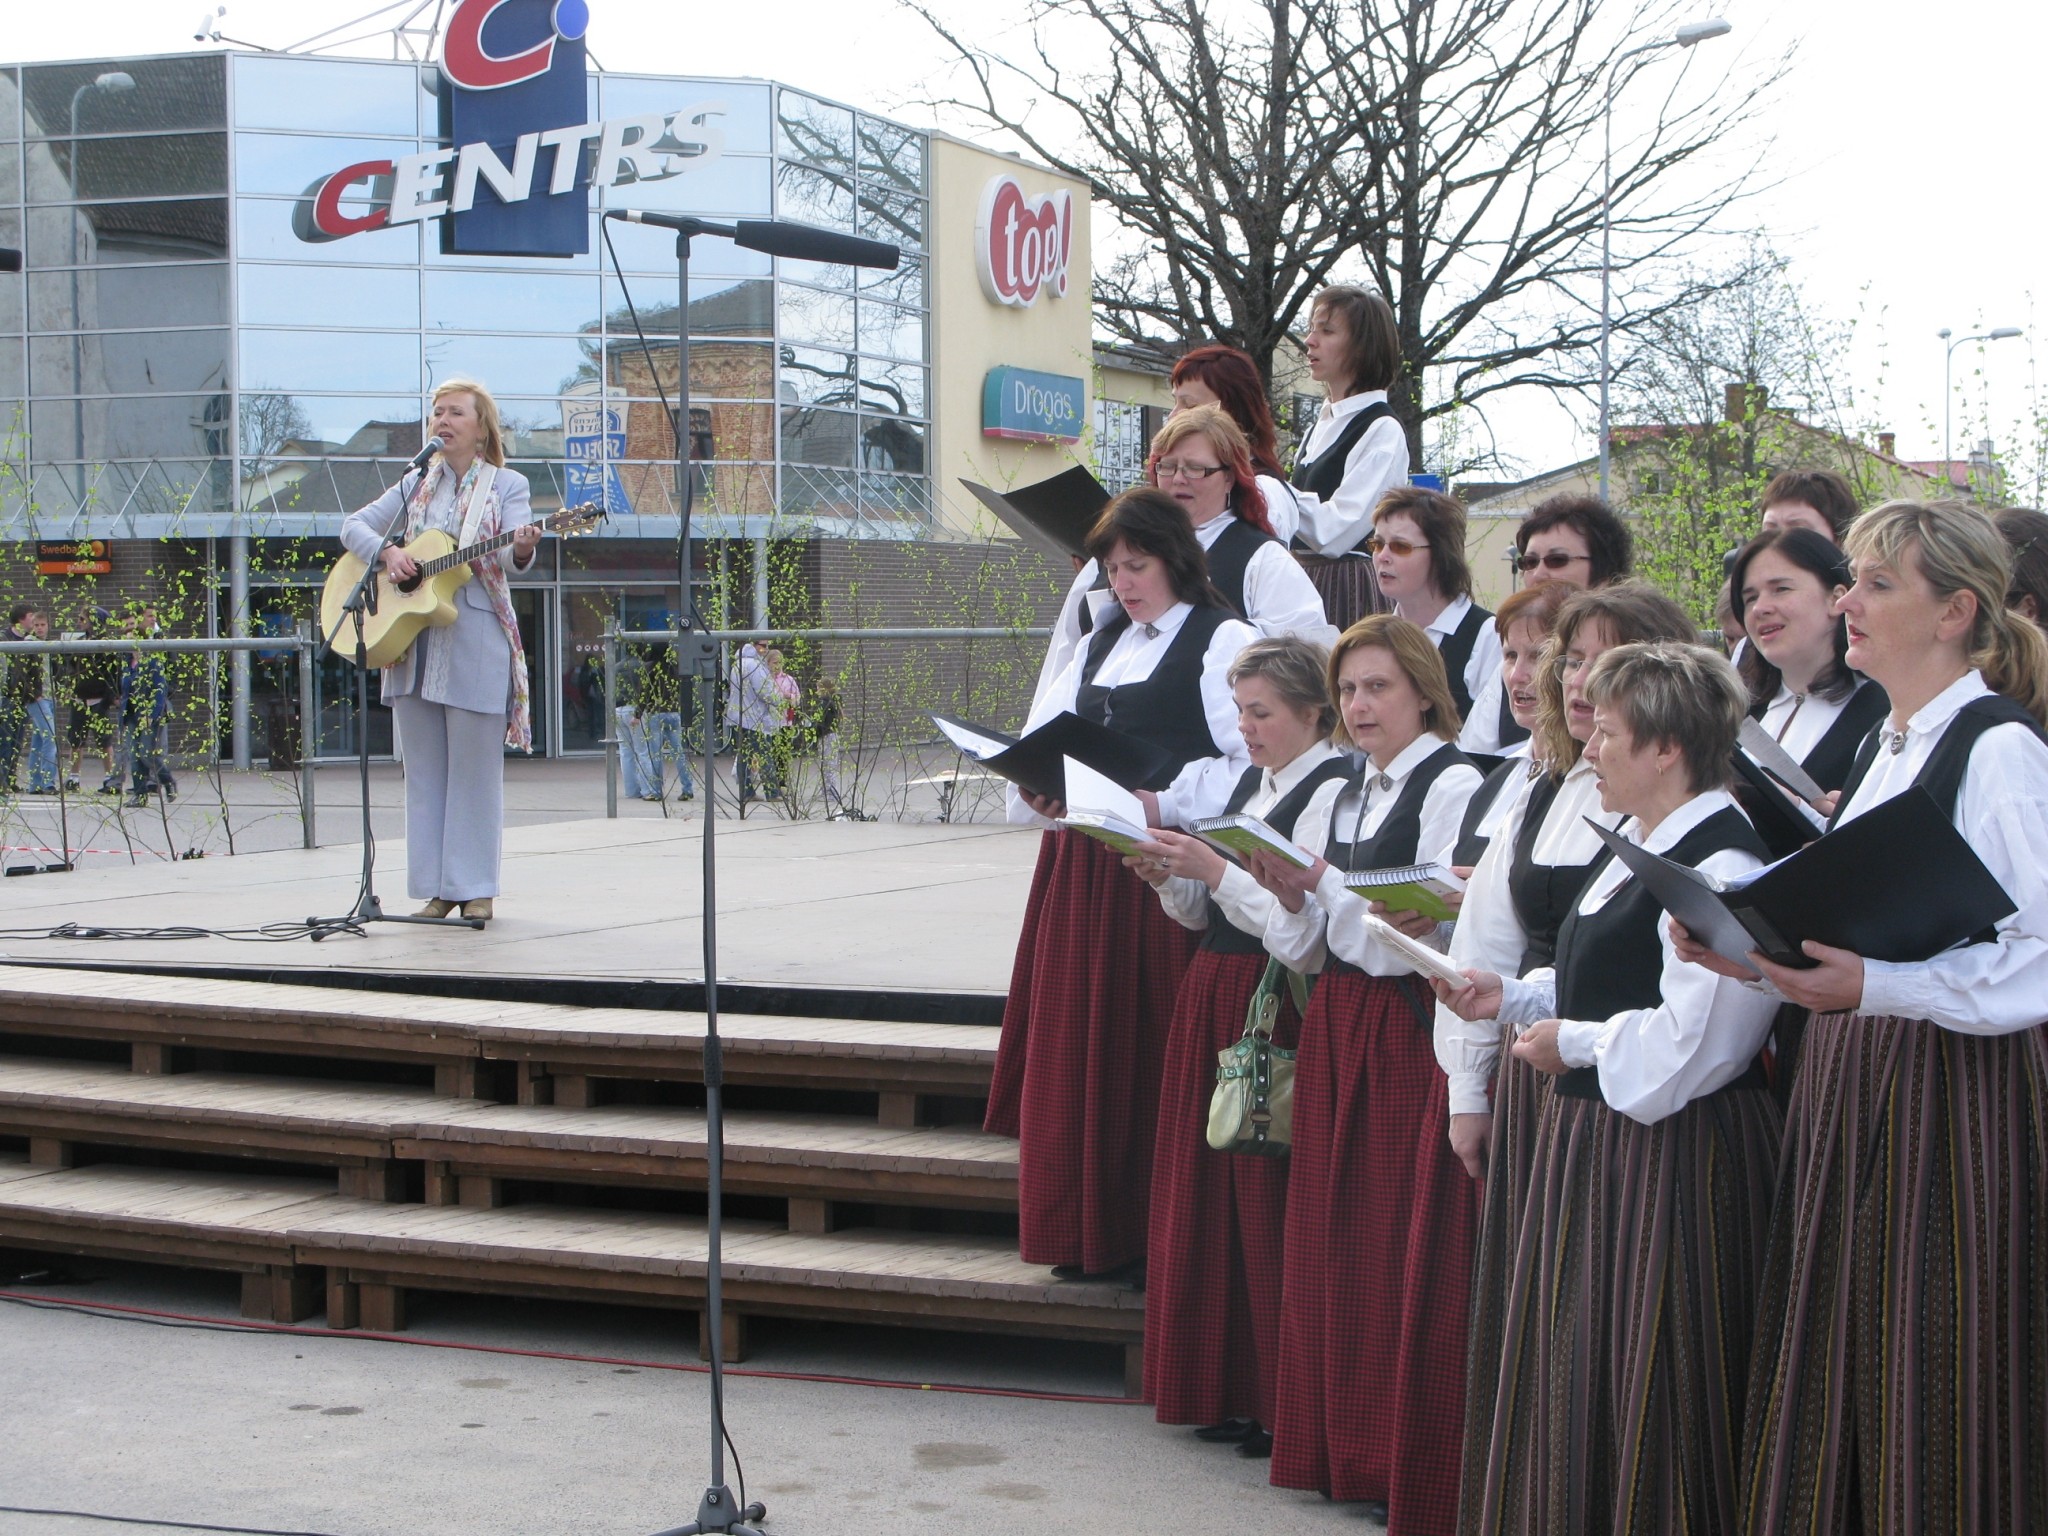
{"x":2003,"y":333}
{"x":1685,"y":37}
{"x":113,"y":83}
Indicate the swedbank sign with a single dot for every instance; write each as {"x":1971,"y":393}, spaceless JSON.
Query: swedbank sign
{"x":515,"y":177}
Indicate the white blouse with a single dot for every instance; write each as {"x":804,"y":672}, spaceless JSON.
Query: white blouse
{"x":2002,"y":811}
{"x":1489,"y":935}
{"x":1481,"y":667}
{"x":1704,"y":1032}
{"x":1202,"y":788}
{"x":1244,"y":901}
{"x":1797,"y":722}
{"x":1333,"y":915}
{"x":1377,"y":462}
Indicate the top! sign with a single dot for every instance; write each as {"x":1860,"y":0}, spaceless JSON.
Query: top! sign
{"x":516,"y":178}
{"x":1023,"y":245}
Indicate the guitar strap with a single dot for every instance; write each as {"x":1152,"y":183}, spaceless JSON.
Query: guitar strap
{"x":479,"y":502}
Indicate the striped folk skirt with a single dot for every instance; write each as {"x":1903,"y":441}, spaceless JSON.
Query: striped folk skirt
{"x":1519,"y":1091}
{"x":1370,"y":1399}
{"x":1902,"y":1357}
{"x":1212,"y":1268}
{"x":1077,"y":1068}
{"x":1350,"y":589}
{"x":1625,"y":1352}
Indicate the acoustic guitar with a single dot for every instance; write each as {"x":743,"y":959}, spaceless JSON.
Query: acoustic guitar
{"x":426,"y":599}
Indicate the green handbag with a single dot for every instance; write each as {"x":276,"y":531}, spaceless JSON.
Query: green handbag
{"x":1252,"y":1108}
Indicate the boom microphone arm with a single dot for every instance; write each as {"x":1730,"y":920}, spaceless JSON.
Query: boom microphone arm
{"x":776,"y":237}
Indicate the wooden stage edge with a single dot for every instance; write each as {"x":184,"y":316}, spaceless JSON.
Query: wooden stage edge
{"x":824,"y":907}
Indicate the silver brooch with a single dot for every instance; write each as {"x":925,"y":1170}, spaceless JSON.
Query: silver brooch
{"x":1384,"y":782}
{"x":1898,"y":742}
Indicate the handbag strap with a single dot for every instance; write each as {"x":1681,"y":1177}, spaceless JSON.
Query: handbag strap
{"x":1263,"y":1013}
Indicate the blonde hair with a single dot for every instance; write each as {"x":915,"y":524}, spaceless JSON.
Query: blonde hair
{"x":1210,"y":421}
{"x":1957,"y":548}
{"x":493,"y":449}
{"x":1631,"y":610}
{"x":1675,"y":695}
{"x":1417,"y":656}
{"x":1295,"y":668}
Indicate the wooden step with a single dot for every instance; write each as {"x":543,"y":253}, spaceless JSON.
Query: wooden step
{"x":470,"y":1146}
{"x":281,"y":1232}
{"x":557,"y":1050}
{"x":804,"y":1158}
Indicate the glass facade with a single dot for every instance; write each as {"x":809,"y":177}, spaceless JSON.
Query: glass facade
{"x":180,"y":362}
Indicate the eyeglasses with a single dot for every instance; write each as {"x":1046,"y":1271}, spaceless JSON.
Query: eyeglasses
{"x":1181,"y":469}
{"x":1400,"y":548}
{"x":1567,"y":665}
{"x":1550,"y":560}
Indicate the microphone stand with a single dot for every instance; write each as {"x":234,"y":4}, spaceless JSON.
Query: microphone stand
{"x":697,"y":654}
{"x":361,"y":603}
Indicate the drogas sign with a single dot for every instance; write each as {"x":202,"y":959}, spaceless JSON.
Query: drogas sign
{"x":1023,"y":244}
{"x":516,"y":177}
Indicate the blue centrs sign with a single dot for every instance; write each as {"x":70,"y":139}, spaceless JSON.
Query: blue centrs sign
{"x":519,"y":160}
{"x":1033,"y":407}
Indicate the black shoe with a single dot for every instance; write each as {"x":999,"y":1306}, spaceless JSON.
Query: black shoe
{"x":109,"y":787}
{"x":1131,"y":1274}
{"x":138,"y":800}
{"x":70,"y":784}
{"x":1257,"y":1446}
{"x":1229,"y":1432}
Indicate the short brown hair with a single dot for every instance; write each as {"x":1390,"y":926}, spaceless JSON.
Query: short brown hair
{"x":1675,"y":695}
{"x":1152,"y":523}
{"x":1418,"y":658}
{"x":1297,"y":670}
{"x":1821,"y":489}
{"x":1441,"y":519}
{"x":1633,"y":610}
{"x":1533,"y":605}
{"x":2026,"y":535}
{"x":1609,"y":543}
{"x":1374,"y":358}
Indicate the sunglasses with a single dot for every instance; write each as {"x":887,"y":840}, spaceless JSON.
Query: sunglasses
{"x":1550,"y":560}
{"x":1400,"y":548}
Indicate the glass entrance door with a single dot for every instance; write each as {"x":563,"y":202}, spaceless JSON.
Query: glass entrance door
{"x":536,"y":612}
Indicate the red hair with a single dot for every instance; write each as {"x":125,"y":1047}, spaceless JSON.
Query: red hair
{"x":1214,"y":424}
{"x":1233,"y":378}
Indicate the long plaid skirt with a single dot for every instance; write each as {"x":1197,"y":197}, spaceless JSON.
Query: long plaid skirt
{"x":1350,"y":590}
{"x":1518,"y":1094}
{"x":1902,"y":1349}
{"x":1370,"y":1399}
{"x":1212,"y":1269}
{"x":1077,"y":1069}
{"x":1626,"y":1344}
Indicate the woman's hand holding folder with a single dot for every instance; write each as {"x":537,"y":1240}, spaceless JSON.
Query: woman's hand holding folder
{"x":1833,"y":985}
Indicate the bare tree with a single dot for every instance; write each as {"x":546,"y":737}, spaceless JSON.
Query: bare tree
{"x":1446,"y":151}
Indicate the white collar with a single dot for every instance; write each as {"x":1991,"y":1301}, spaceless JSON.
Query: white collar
{"x":1280,"y":781}
{"x":1408,"y":759}
{"x":1351,"y":405}
{"x":1932,"y":718}
{"x":1208,"y":533}
{"x":1447,"y":622}
{"x":1168,"y":623}
{"x":1680,"y":821}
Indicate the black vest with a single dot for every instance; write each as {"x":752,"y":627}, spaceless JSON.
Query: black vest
{"x":1611,"y":960}
{"x":1456,"y":651}
{"x":1396,"y":841}
{"x":1543,"y":894}
{"x":1322,"y":474}
{"x":1222,"y":935}
{"x":1471,"y":847}
{"x":1834,"y":755}
{"x":1165,"y":708}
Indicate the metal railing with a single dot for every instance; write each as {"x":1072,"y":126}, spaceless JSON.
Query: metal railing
{"x":614,"y":638}
{"x":303,"y":643}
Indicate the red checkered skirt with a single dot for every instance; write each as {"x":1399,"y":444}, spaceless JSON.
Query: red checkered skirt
{"x":1212,"y":1271}
{"x":1381,"y":1218}
{"x":1348,"y":585}
{"x":1098,"y":967}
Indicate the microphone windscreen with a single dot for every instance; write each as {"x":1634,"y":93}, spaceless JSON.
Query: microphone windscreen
{"x":10,"y":260}
{"x":805,"y":242}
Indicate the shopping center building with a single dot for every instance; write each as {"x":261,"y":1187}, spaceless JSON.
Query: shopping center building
{"x":246,"y":273}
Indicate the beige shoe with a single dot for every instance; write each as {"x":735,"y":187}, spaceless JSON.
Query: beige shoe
{"x":479,"y":908}
{"x":439,"y":907}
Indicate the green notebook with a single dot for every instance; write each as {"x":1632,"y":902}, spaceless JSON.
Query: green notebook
{"x":1409,"y":888}
{"x":1244,"y":835}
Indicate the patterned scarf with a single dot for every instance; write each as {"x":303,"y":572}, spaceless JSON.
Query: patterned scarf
{"x":475,"y":523}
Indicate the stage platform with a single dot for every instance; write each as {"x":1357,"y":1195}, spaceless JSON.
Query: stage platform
{"x":885,"y":907}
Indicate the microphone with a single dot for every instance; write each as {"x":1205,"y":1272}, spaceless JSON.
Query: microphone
{"x":419,"y":460}
{"x":776,"y":237}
